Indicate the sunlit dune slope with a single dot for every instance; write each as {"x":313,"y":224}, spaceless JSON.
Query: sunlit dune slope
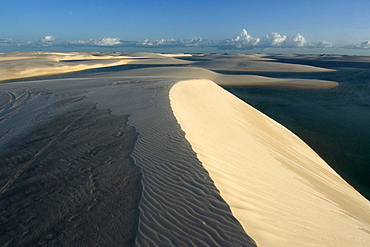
{"x":279,"y":189}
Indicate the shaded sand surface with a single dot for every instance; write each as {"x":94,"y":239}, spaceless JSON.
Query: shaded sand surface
{"x":67,"y":179}
{"x":279,"y":189}
{"x":180,"y":205}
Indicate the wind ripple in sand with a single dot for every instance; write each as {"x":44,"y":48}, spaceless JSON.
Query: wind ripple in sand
{"x":70,"y":182}
{"x":180,"y":205}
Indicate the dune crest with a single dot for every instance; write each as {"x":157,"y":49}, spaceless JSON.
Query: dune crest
{"x":190,"y":72}
{"x":279,"y":189}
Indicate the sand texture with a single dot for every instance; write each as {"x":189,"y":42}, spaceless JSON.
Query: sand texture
{"x":66,"y":178}
{"x":75,"y":184}
{"x":160,"y":156}
{"x":279,"y":189}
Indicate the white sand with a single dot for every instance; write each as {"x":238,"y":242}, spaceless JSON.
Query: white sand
{"x":279,"y":189}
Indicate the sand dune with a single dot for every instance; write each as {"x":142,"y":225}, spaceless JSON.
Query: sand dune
{"x":279,"y":189}
{"x":252,"y":62}
{"x":199,"y":73}
{"x":81,"y":177}
{"x":213,"y":171}
{"x":28,"y":64}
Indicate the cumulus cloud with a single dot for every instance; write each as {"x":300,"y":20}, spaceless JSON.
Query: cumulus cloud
{"x":11,"y":42}
{"x":364,"y":45}
{"x":296,"y":41}
{"x":107,"y":41}
{"x":47,"y":39}
{"x":241,"y":41}
{"x":274,"y":39}
{"x":322,"y":44}
{"x":8,"y":42}
{"x":81,"y":42}
{"x":172,"y":42}
{"x":246,"y":41}
{"x":96,"y":42}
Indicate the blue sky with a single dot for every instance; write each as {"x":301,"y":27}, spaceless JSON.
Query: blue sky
{"x":339,"y":23}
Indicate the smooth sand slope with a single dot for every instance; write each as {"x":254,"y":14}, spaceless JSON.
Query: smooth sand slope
{"x":279,"y":189}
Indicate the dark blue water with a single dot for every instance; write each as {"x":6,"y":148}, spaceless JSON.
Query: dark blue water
{"x":335,"y":122}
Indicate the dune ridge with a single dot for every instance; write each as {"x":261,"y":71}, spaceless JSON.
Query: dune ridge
{"x":180,"y":205}
{"x":278,"y":188}
{"x":221,"y":79}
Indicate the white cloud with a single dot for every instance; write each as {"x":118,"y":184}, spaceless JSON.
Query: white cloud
{"x":322,"y":44}
{"x":246,"y":41}
{"x":47,"y":39}
{"x":296,"y":41}
{"x":172,"y":42}
{"x":145,"y":43}
{"x":107,"y":41}
{"x":365,"y":44}
{"x":274,"y":39}
{"x":13,"y":43}
{"x":9,"y":42}
{"x":81,"y":42}
{"x":241,"y":41}
{"x":96,"y":42}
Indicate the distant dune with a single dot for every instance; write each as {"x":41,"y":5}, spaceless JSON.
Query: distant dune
{"x":160,"y":156}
